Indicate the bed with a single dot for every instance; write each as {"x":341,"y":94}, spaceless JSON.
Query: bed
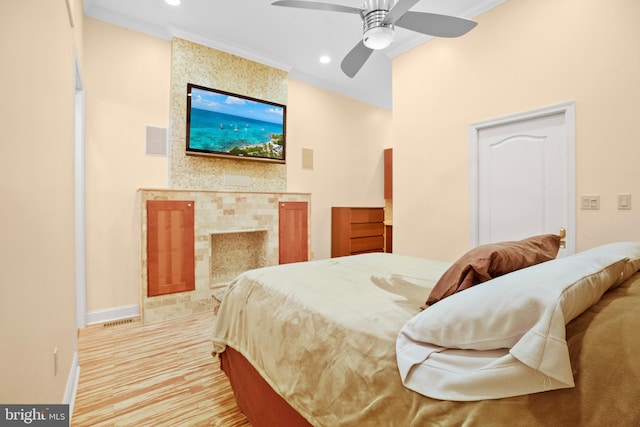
{"x":341,"y":342}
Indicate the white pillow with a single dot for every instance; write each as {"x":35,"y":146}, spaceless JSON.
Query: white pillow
{"x":497,"y":313}
{"x":629,"y":250}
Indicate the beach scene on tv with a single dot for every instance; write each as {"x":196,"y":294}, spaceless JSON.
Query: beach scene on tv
{"x":227,"y":124}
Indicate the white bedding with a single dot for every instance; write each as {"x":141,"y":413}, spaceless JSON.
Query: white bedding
{"x":323,"y":333}
{"x":506,"y":337}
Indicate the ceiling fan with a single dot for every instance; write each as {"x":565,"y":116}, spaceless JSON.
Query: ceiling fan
{"x":379,"y":17}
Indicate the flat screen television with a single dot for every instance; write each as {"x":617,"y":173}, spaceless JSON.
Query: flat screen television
{"x":224,"y":124}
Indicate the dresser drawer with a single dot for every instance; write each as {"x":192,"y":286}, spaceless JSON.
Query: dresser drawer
{"x":367,"y":229}
{"x":367,"y":244}
{"x":367,"y":215}
{"x":356,"y":230}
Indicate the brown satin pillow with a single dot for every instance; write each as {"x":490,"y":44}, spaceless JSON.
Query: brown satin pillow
{"x":488,"y":261}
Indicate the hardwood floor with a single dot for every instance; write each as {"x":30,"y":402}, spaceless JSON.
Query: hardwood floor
{"x":158,"y":374}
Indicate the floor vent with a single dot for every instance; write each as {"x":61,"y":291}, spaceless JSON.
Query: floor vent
{"x":117,"y":322}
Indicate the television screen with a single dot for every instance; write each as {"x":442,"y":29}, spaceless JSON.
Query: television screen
{"x":224,"y":124}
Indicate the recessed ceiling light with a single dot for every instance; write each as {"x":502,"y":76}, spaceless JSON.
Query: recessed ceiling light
{"x":325,"y":59}
{"x":173,"y":2}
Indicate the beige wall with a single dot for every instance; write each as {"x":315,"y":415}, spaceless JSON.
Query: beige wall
{"x":127,"y":77}
{"x":523,"y":55}
{"x":347,"y":138}
{"x":37,"y":304}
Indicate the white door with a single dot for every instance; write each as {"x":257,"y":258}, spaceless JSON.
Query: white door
{"x":522,"y":176}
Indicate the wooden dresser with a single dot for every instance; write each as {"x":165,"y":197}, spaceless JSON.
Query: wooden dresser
{"x":356,"y":230}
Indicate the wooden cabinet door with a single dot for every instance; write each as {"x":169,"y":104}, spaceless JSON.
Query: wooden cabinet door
{"x":293,"y":232}
{"x":170,"y":247}
{"x":388,"y":174}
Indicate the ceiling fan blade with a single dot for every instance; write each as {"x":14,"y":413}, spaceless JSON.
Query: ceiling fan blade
{"x":355,"y":59}
{"x":400,"y":8}
{"x":317,"y":6}
{"x":435,"y":25}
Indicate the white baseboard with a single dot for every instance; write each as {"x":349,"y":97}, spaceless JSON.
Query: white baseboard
{"x":72,"y":384}
{"x":111,"y":314}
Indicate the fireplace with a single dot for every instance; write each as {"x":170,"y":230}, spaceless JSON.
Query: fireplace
{"x":233,"y":232}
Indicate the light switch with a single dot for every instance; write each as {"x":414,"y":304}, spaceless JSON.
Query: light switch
{"x":590,"y":202}
{"x":624,"y":201}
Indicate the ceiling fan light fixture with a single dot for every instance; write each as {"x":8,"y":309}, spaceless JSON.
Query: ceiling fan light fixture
{"x":377,"y":38}
{"x":376,"y":34}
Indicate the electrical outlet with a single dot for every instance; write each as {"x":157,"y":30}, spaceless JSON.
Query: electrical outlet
{"x":590,"y":202}
{"x":55,"y":361}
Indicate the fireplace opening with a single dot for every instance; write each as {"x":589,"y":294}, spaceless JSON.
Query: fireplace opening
{"x":234,"y":252}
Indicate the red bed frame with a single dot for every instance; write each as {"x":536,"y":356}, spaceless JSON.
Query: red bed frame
{"x":262,"y":406}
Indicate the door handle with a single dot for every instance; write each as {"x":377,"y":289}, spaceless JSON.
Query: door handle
{"x":563,"y":234}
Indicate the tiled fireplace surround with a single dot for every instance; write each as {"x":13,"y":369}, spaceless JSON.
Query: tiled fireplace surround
{"x":234,"y":232}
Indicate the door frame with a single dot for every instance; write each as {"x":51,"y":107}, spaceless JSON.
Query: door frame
{"x":79,"y":197}
{"x":565,"y":108}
